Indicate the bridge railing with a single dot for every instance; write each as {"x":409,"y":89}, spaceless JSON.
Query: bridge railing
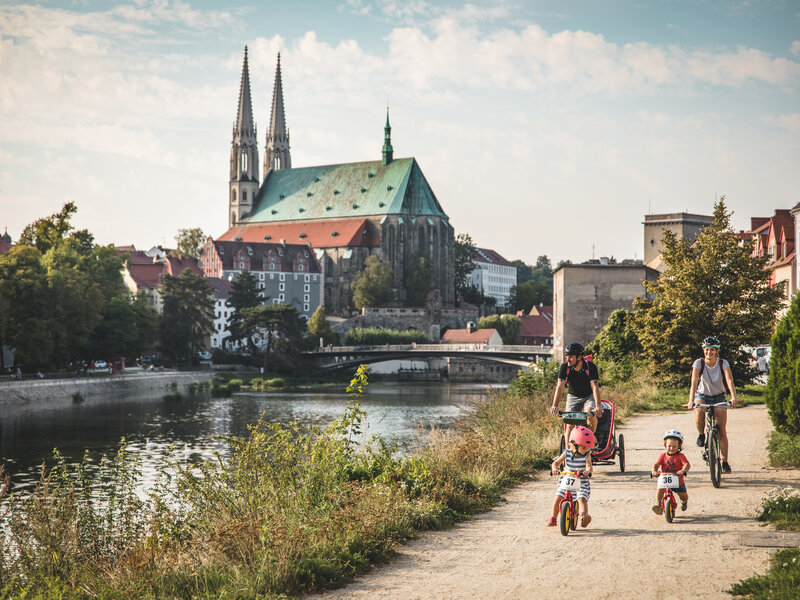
{"x":426,"y":348}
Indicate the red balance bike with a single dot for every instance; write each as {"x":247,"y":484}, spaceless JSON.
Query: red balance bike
{"x":569,"y":485}
{"x":668,"y":482}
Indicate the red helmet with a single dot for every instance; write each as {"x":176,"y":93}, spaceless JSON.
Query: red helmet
{"x":582,"y":436}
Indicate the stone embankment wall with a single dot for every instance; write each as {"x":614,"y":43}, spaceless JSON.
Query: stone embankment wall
{"x":44,"y":391}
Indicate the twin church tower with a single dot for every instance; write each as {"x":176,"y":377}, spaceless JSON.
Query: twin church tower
{"x":343,"y":213}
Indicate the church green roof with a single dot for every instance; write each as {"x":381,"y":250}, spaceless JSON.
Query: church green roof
{"x":345,"y":191}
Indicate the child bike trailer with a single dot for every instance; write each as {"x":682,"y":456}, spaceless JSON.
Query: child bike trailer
{"x":608,"y":447}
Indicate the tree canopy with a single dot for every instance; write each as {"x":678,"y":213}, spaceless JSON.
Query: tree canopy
{"x":419,"y":279}
{"x":190,"y":242}
{"x":464,"y":262}
{"x":508,"y":326}
{"x":188,"y":315}
{"x":783,"y":384}
{"x":244,"y":294}
{"x":318,"y":327}
{"x":712,"y":287}
{"x":373,"y":285}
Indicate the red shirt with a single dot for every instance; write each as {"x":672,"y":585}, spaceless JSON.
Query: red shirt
{"x":672,"y":464}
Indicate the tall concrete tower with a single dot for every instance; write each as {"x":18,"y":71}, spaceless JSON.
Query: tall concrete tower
{"x":276,"y":155}
{"x":244,"y":180}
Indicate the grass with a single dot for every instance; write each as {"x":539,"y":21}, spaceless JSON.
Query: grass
{"x":288,"y":510}
{"x":781,"y":582}
{"x":784,"y":450}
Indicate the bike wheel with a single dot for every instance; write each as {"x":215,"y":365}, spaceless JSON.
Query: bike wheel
{"x":714,"y":461}
{"x":573,"y":517}
{"x":566,"y":515}
{"x":669,"y":510}
{"x":562,"y":444}
{"x":621,"y":453}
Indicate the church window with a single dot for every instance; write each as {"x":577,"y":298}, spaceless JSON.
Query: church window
{"x":233,"y":195}
{"x":244,"y":195}
{"x":243,"y":160}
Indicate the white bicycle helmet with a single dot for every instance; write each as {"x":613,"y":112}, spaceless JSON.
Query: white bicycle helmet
{"x":674,"y":433}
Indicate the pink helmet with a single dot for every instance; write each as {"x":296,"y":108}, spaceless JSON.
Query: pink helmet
{"x":582,"y":436}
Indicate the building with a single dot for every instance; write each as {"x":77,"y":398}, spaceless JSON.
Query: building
{"x":493,"y":275}
{"x":472,"y":335}
{"x":775,"y":237}
{"x":795,"y":212}
{"x":585,"y":295}
{"x":285,"y":273}
{"x":221,"y":290}
{"x":682,"y":225}
{"x":144,"y":271}
{"x":537,"y":326}
{"x":345,"y":212}
{"x":5,"y":243}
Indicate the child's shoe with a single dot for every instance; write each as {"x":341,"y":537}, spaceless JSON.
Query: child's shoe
{"x":551,"y":522}
{"x":585,"y":520}
{"x":683,"y":505}
{"x":657,"y":509}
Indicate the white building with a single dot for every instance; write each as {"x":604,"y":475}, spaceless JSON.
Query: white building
{"x":493,"y":275}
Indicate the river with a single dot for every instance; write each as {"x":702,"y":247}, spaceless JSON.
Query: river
{"x":400,"y":412}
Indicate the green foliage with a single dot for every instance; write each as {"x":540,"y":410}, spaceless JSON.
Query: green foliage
{"x":781,"y":506}
{"x":539,"y":377}
{"x":781,"y":582}
{"x":244,"y":294}
{"x":419,"y":279}
{"x":318,"y":327}
{"x":47,"y":232}
{"x":534,"y":285}
{"x":373,"y":285}
{"x":282,"y":324}
{"x":616,"y":349}
{"x":260,"y":384}
{"x":508,"y":326}
{"x":463,"y":262}
{"x":784,"y":450}
{"x":187,"y":316}
{"x":712,"y":287}
{"x":373,"y":336}
{"x":783,"y":383}
{"x":190,"y":242}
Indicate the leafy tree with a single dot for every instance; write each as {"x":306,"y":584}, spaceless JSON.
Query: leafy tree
{"x":318,"y":327}
{"x":190,"y":242}
{"x":508,"y":326}
{"x":244,"y":294}
{"x":473,"y":295}
{"x":531,"y":293}
{"x":712,"y":287}
{"x":419,"y":279}
{"x":373,"y":285}
{"x":128,"y":328}
{"x":783,"y":384}
{"x":282,"y":324}
{"x":617,"y":348}
{"x":26,"y":321}
{"x":464,"y":262}
{"x":188,"y":314}
{"x":46,"y":232}
{"x":562,"y":263}
{"x":524,"y":271}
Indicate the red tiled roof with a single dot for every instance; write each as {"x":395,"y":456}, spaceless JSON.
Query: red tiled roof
{"x":490,"y":256}
{"x":783,"y":262}
{"x":146,"y":275}
{"x":175,"y":265}
{"x":332,"y":233}
{"x":465,"y":336}
{"x":536,"y":326}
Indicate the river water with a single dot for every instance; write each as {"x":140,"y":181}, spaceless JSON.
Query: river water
{"x":400,"y":412}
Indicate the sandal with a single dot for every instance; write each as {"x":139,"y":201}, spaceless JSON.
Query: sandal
{"x":657,"y":509}
{"x":585,"y":520}
{"x":551,"y":522}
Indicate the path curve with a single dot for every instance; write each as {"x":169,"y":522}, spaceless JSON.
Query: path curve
{"x":627,"y":551}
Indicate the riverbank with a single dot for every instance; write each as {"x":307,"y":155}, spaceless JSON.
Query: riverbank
{"x":45,"y":392}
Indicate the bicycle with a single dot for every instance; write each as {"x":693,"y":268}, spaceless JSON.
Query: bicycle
{"x":668,"y":482}
{"x":568,"y":507}
{"x":711,"y":449}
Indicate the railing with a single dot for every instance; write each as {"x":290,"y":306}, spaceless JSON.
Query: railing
{"x":424,"y":348}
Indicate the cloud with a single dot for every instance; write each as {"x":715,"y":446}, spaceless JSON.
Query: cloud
{"x":795,"y":48}
{"x":790,"y":123}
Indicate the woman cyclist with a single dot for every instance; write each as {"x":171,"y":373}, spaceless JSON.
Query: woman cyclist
{"x":708,"y":390}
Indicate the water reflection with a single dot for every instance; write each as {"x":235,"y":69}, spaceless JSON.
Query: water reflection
{"x":399,"y":412}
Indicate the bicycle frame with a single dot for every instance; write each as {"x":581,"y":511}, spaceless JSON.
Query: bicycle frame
{"x":568,"y":507}
{"x":711,"y":452}
{"x":668,"y":501}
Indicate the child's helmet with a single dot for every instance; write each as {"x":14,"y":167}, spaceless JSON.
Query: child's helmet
{"x":674,"y":433}
{"x":582,"y":436}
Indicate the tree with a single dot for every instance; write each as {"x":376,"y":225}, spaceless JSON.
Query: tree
{"x":508,"y":326}
{"x":419,"y":279}
{"x":617,"y":348}
{"x":188,"y":314}
{"x":463,"y":261}
{"x":524,"y":296}
{"x":244,"y":294}
{"x":46,"y":232}
{"x":373,"y":285}
{"x":190,"y":242}
{"x":524,"y":271}
{"x":783,"y":384}
{"x":318,"y":327}
{"x":712,"y":287}
{"x":281,"y":322}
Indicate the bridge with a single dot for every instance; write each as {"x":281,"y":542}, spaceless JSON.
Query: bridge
{"x":334,"y":358}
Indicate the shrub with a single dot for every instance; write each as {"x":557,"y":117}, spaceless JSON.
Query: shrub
{"x":784,"y":450}
{"x":780,"y":583}
{"x":783,"y":384}
{"x":375,"y":336}
{"x":781,"y":506}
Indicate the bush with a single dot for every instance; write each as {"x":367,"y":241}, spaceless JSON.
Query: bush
{"x":783,"y":384}
{"x":375,"y":336}
{"x":781,"y":506}
{"x":539,"y":377}
{"x":780,"y":583}
{"x":784,"y":450}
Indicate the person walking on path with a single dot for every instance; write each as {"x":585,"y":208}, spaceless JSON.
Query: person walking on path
{"x":710,"y":375}
{"x":579,"y":376}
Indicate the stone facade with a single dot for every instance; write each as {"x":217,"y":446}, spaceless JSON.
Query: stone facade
{"x":683,"y":225}
{"x":585,"y":295}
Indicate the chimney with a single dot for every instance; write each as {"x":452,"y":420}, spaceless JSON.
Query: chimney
{"x":471,"y":327}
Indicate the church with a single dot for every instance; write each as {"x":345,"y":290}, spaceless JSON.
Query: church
{"x":343,"y":212}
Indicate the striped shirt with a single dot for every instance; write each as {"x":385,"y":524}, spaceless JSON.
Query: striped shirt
{"x":577,"y":462}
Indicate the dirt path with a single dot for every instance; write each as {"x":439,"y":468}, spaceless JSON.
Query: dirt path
{"x":627,"y":551}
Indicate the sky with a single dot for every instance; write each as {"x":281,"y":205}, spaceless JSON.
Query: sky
{"x":543,"y":127}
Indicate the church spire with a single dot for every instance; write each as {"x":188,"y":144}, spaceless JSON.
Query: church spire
{"x":277,"y":154}
{"x":244,"y":178}
{"x":388,"y":153}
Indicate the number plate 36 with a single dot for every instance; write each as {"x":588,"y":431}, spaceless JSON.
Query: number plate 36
{"x":668,"y":480}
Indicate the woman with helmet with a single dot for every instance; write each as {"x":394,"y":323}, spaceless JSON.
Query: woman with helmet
{"x":578,"y":457}
{"x":707,"y":390}
{"x":580,"y":377}
{"x":672,"y":461}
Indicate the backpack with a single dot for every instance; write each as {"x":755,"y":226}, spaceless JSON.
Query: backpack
{"x":586,"y":360}
{"x":722,"y":372}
